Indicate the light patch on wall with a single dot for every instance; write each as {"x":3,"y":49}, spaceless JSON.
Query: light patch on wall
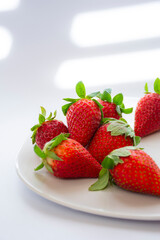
{"x":5,"y":42}
{"x":120,"y":68}
{"x":116,"y":25}
{"x":7,"y":5}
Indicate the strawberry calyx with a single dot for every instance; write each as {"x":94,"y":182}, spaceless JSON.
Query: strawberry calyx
{"x":109,"y":162}
{"x":121,"y":127}
{"x":117,"y":100}
{"x":81,"y":92}
{"x":47,"y":153}
{"x":156,"y":87}
{"x":42,"y":118}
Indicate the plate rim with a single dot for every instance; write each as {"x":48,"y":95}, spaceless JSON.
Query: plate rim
{"x":77,"y":207}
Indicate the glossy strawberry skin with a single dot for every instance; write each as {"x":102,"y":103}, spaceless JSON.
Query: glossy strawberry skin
{"x":137,"y":173}
{"x":103,"y":143}
{"x":77,"y":161}
{"x":147,"y":115}
{"x":83,"y":119}
{"x":109,"y":109}
{"x":48,"y":130}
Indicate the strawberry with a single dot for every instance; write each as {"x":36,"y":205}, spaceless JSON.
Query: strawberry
{"x":111,"y":135}
{"x":112,"y":108}
{"x":131,"y":169}
{"x":83,"y":115}
{"x":67,"y":158}
{"x":147,"y":113}
{"x":47,"y":128}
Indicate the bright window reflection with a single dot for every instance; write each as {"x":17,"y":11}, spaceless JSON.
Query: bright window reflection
{"x":5,"y":42}
{"x":116,"y":25}
{"x":120,"y":68}
{"x":6,"y":5}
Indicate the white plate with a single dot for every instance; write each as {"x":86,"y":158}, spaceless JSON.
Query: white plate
{"x":111,"y":202}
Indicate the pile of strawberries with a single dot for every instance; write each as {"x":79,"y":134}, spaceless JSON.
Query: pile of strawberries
{"x":98,"y":143}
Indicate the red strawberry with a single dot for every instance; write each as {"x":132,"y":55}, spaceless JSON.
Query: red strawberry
{"x":67,"y":158}
{"x":83,"y":115}
{"x":47,"y":129}
{"x":131,"y":169}
{"x":111,"y":135}
{"x":112,"y":108}
{"x":147,"y":114}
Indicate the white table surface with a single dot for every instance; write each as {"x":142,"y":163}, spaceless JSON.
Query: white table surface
{"x":26,"y":78}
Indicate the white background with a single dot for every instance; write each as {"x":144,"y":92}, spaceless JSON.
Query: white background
{"x":41,"y":42}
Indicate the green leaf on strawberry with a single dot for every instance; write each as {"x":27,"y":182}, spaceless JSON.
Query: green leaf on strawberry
{"x":50,"y":116}
{"x":48,"y":152}
{"x":100,"y":107}
{"x":55,"y":141}
{"x":91,"y":95}
{"x":126,"y":110}
{"x":81,"y":92}
{"x":102,"y":181}
{"x":42,"y":118}
{"x":146,"y":88}
{"x":108,"y":163}
{"x":106,"y":95}
{"x":39,"y":167}
{"x":117,"y":100}
{"x":52,"y":155}
{"x":118,"y":109}
{"x":47,"y":166}
{"x":39,"y":152}
{"x":157,"y":85}
{"x":66,"y":107}
{"x":113,"y":158}
{"x":137,"y":140}
{"x":43,"y":157}
{"x":35,"y":127}
{"x":109,"y":90}
{"x":72,"y":100}
{"x":121,"y":127}
{"x":43,"y":111}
